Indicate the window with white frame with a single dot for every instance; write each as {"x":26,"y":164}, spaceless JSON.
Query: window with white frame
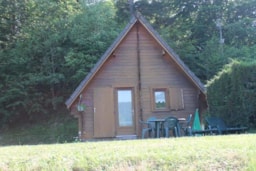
{"x":160,"y":99}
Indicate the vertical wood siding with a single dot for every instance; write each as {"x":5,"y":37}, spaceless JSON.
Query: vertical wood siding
{"x":157,"y":70}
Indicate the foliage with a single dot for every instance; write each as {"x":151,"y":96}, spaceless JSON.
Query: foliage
{"x":232,"y":93}
{"x":54,"y":48}
{"x":92,"y":32}
{"x":235,"y":152}
{"x":32,"y":75}
{"x":12,"y":15}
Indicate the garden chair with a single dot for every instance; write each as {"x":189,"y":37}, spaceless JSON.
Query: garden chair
{"x":171,"y":123}
{"x":216,"y":122}
{"x":148,"y":127}
{"x":185,"y":125}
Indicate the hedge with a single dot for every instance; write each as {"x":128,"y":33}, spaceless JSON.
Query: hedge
{"x":231,"y":93}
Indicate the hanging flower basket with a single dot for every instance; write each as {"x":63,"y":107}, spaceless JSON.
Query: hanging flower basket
{"x":81,"y":107}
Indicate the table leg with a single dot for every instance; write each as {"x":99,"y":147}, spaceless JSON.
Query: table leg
{"x":178,"y":130}
{"x":157,"y":129}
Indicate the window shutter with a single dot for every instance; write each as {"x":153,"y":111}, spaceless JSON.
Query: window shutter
{"x":176,"y":99}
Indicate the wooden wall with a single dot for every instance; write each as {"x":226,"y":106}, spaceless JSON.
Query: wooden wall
{"x":157,"y":70}
{"x":121,"y":70}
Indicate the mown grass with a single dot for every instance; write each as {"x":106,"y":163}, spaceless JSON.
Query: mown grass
{"x":233,"y":152}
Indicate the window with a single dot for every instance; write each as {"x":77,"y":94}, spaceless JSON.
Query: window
{"x":160,"y":101}
{"x":125,"y":107}
{"x":165,"y":99}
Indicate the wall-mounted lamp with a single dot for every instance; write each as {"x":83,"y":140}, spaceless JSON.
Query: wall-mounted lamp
{"x":114,"y":54}
{"x":80,"y":106}
{"x":163,"y":52}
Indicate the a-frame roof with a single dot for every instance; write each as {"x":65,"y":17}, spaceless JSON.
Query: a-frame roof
{"x":118,"y":40}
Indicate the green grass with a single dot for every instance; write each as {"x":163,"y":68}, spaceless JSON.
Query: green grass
{"x":233,"y":152}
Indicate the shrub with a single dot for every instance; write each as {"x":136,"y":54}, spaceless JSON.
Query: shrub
{"x":232,"y":93}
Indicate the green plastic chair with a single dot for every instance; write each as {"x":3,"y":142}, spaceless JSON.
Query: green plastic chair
{"x":148,"y":127}
{"x":171,"y":123}
{"x":216,"y":122}
{"x":185,"y":126}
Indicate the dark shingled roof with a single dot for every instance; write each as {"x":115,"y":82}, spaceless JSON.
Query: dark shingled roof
{"x":111,"y":49}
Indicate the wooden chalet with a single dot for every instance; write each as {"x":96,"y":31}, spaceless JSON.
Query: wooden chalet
{"x":137,"y":77}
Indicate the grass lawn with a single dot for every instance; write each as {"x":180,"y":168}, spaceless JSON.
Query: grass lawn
{"x":232,"y":152}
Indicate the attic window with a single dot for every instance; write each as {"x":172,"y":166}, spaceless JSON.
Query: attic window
{"x":160,"y":101}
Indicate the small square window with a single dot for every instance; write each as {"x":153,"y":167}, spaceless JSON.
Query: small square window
{"x":160,"y":99}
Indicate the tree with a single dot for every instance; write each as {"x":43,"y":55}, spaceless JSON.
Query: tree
{"x":56,"y":46}
{"x":92,"y":32}
{"x":12,"y":15}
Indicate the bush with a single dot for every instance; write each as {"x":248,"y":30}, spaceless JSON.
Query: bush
{"x":232,"y":93}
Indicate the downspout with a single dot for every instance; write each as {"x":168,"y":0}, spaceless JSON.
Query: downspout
{"x":139,"y":72}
